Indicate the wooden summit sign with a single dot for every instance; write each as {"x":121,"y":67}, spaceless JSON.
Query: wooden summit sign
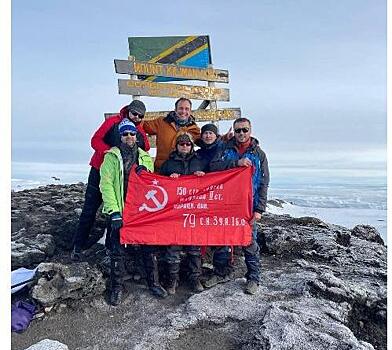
{"x":155,"y":61}
{"x":170,"y":70}
{"x":200,"y":115}
{"x":146,"y":88}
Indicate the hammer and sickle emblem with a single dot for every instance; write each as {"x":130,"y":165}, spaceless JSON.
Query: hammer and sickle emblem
{"x":151,"y":196}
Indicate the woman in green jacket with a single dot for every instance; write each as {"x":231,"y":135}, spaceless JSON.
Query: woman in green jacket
{"x":115,"y":171}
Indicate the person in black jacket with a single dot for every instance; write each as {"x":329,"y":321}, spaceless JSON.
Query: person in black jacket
{"x":211,"y":145}
{"x":211,"y":150}
{"x":183,"y":161}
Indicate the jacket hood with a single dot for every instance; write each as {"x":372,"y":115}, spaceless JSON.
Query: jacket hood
{"x":124,"y":112}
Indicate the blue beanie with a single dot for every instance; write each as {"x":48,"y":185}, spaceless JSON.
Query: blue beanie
{"x":126,"y":125}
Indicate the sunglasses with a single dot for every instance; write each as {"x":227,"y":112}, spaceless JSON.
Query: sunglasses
{"x":135,"y":114}
{"x":185,"y":144}
{"x":128,"y":133}
{"x":244,"y":130}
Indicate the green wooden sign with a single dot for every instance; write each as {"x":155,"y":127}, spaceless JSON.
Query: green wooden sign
{"x":191,"y":51}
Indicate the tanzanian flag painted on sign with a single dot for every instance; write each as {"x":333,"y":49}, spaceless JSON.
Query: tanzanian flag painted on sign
{"x":191,"y":51}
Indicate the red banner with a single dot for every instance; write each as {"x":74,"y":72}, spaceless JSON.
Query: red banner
{"x":214,"y":209}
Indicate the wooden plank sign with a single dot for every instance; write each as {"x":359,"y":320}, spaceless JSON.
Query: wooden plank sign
{"x":200,"y":115}
{"x":146,"y":88}
{"x":170,"y":70}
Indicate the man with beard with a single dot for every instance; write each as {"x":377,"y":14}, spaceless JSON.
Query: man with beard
{"x":115,"y":172}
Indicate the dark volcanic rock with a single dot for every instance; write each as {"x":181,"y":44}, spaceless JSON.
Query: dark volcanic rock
{"x":51,"y":211}
{"x":57,"y":282}
{"x":368,"y":233}
{"x":26,"y":251}
{"x":323,"y":287}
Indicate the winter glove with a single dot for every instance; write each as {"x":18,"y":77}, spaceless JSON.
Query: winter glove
{"x":139,"y":169}
{"x":116,"y":221}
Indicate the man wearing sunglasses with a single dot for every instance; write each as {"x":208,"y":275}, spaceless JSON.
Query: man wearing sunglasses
{"x":104,"y":138}
{"x":115,"y":171}
{"x":167,"y":128}
{"x":244,"y":150}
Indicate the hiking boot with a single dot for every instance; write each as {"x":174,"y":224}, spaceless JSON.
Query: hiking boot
{"x":196,"y":286}
{"x":158,"y":291}
{"x":76,"y":254}
{"x":251,"y":287}
{"x":171,"y":287}
{"x":216,"y":279}
{"x":115,"y":297}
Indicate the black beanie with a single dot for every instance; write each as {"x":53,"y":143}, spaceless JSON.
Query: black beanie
{"x":209,"y":127}
{"x":137,"y":106}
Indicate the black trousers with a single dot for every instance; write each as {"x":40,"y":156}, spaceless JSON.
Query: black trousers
{"x":92,"y":202}
{"x":193,"y":261}
{"x":117,"y":261}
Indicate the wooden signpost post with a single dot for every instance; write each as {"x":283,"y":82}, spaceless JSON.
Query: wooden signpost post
{"x":200,"y":115}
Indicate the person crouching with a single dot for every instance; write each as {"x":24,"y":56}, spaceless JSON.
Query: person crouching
{"x":183,"y":161}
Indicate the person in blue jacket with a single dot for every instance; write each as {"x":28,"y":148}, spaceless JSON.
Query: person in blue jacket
{"x":244,"y":150}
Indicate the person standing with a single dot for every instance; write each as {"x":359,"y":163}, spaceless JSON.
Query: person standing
{"x":183,"y":161}
{"x":211,"y":145}
{"x":115,"y":172}
{"x":167,"y":128}
{"x":244,"y":150}
{"x":104,"y":138}
{"x":211,"y":149}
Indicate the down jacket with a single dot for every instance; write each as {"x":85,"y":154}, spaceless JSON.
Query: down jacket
{"x":166,"y":133}
{"x":260,"y":177}
{"x":108,"y":136}
{"x":112,"y":178}
{"x":181,"y":165}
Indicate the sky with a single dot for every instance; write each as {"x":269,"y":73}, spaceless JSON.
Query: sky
{"x":311,"y":75}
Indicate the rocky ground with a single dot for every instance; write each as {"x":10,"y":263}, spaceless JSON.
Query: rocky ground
{"x":324,"y":287}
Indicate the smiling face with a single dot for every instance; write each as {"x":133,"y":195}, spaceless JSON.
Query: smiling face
{"x":208,"y":137}
{"x":183,"y":110}
{"x":242,"y":132}
{"x":128,"y":137}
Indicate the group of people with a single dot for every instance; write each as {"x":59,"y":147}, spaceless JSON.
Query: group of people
{"x":121,"y":145}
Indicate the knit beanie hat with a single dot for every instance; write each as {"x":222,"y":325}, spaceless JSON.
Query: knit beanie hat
{"x":137,"y":106}
{"x":126,"y":125}
{"x":209,"y":127}
{"x":184,"y":137}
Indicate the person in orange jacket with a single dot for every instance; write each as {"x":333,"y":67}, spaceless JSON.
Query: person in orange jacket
{"x":168,"y":128}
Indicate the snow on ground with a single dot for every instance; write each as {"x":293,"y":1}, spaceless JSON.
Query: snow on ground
{"x":348,"y":217}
